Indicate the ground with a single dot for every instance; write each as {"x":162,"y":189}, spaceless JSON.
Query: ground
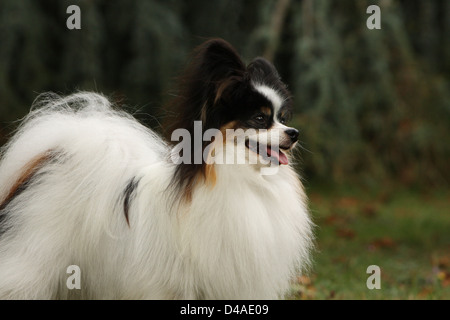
{"x":406,"y":233}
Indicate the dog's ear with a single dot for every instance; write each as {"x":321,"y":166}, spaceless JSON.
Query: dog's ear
{"x":216,"y":60}
{"x":215,"y":70}
{"x":262,"y":71}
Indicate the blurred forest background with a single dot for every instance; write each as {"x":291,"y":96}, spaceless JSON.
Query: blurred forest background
{"x":372,"y":107}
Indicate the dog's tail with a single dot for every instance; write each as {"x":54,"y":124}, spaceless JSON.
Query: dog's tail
{"x":69,"y":168}
{"x":47,"y":128}
{"x":82,"y":125}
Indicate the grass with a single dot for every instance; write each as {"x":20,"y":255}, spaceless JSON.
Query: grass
{"x":406,"y":233}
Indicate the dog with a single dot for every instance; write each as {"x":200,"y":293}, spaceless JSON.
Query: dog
{"x":143,"y":216}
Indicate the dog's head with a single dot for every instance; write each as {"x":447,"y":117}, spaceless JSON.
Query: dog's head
{"x":247,"y":106}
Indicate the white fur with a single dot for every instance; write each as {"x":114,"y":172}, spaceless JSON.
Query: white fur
{"x":271,"y":94}
{"x":278,"y":129}
{"x":243,"y":238}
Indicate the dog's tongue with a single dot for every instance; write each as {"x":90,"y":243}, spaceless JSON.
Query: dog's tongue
{"x":280,"y":156}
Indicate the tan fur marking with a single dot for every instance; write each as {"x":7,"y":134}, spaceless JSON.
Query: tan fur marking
{"x":210,"y":175}
{"x":27,"y":172}
{"x":203,"y":114}
{"x":229,"y":125}
{"x":223,"y":86}
{"x":266,"y":110}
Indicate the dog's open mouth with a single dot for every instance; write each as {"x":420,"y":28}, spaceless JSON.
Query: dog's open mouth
{"x":275,"y":155}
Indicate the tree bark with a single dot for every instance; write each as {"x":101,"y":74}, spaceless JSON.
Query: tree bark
{"x":276,"y":28}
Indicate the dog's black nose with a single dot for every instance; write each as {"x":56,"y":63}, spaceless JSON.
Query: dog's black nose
{"x":293,"y":134}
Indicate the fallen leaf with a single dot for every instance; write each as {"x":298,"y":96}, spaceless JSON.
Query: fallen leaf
{"x":382,"y":243}
{"x":347,"y":202}
{"x":425,"y":293}
{"x":340,"y":259}
{"x":345,"y":233}
{"x":332,"y":219}
{"x":369,"y":210}
{"x":444,"y":277}
{"x":304,"y":280}
{"x":443,"y":262}
{"x":332,"y":294}
{"x":441,"y":275}
{"x":315,"y":197}
{"x":337,"y":219}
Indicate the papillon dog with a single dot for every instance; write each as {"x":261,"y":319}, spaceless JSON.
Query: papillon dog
{"x":87,"y":191}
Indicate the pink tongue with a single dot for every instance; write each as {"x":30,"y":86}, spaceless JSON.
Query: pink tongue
{"x":280,"y":156}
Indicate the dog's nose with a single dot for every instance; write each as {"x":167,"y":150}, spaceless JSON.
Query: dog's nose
{"x":293,"y":134}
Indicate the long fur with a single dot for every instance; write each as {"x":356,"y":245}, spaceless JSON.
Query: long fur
{"x":84,"y":184}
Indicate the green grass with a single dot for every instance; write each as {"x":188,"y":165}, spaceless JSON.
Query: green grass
{"x":406,"y":233}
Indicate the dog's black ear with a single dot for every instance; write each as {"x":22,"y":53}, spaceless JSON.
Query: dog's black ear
{"x":262,"y":71}
{"x":217,"y":60}
{"x":215,"y":70}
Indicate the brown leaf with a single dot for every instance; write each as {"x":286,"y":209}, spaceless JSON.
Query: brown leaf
{"x":332,"y":219}
{"x":347,"y":202}
{"x":305,"y":280}
{"x":340,"y":259}
{"x":443,"y":262}
{"x":337,"y":219}
{"x":369,"y":210}
{"x":444,"y":277}
{"x":424,"y":293}
{"x":315,"y":197}
{"x":381,"y":243}
{"x":345,"y":233}
{"x":332,"y":294}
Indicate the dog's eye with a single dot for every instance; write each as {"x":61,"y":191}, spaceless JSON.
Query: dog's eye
{"x":283,"y":120}
{"x":259,"y":118}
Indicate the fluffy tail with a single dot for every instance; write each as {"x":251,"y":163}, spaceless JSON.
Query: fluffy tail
{"x":79,"y":125}
{"x":68,"y":169}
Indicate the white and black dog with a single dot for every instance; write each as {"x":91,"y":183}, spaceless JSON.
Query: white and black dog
{"x":82,"y":183}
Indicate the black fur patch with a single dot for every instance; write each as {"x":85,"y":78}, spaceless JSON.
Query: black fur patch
{"x":3,"y":217}
{"x":128,"y":194}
